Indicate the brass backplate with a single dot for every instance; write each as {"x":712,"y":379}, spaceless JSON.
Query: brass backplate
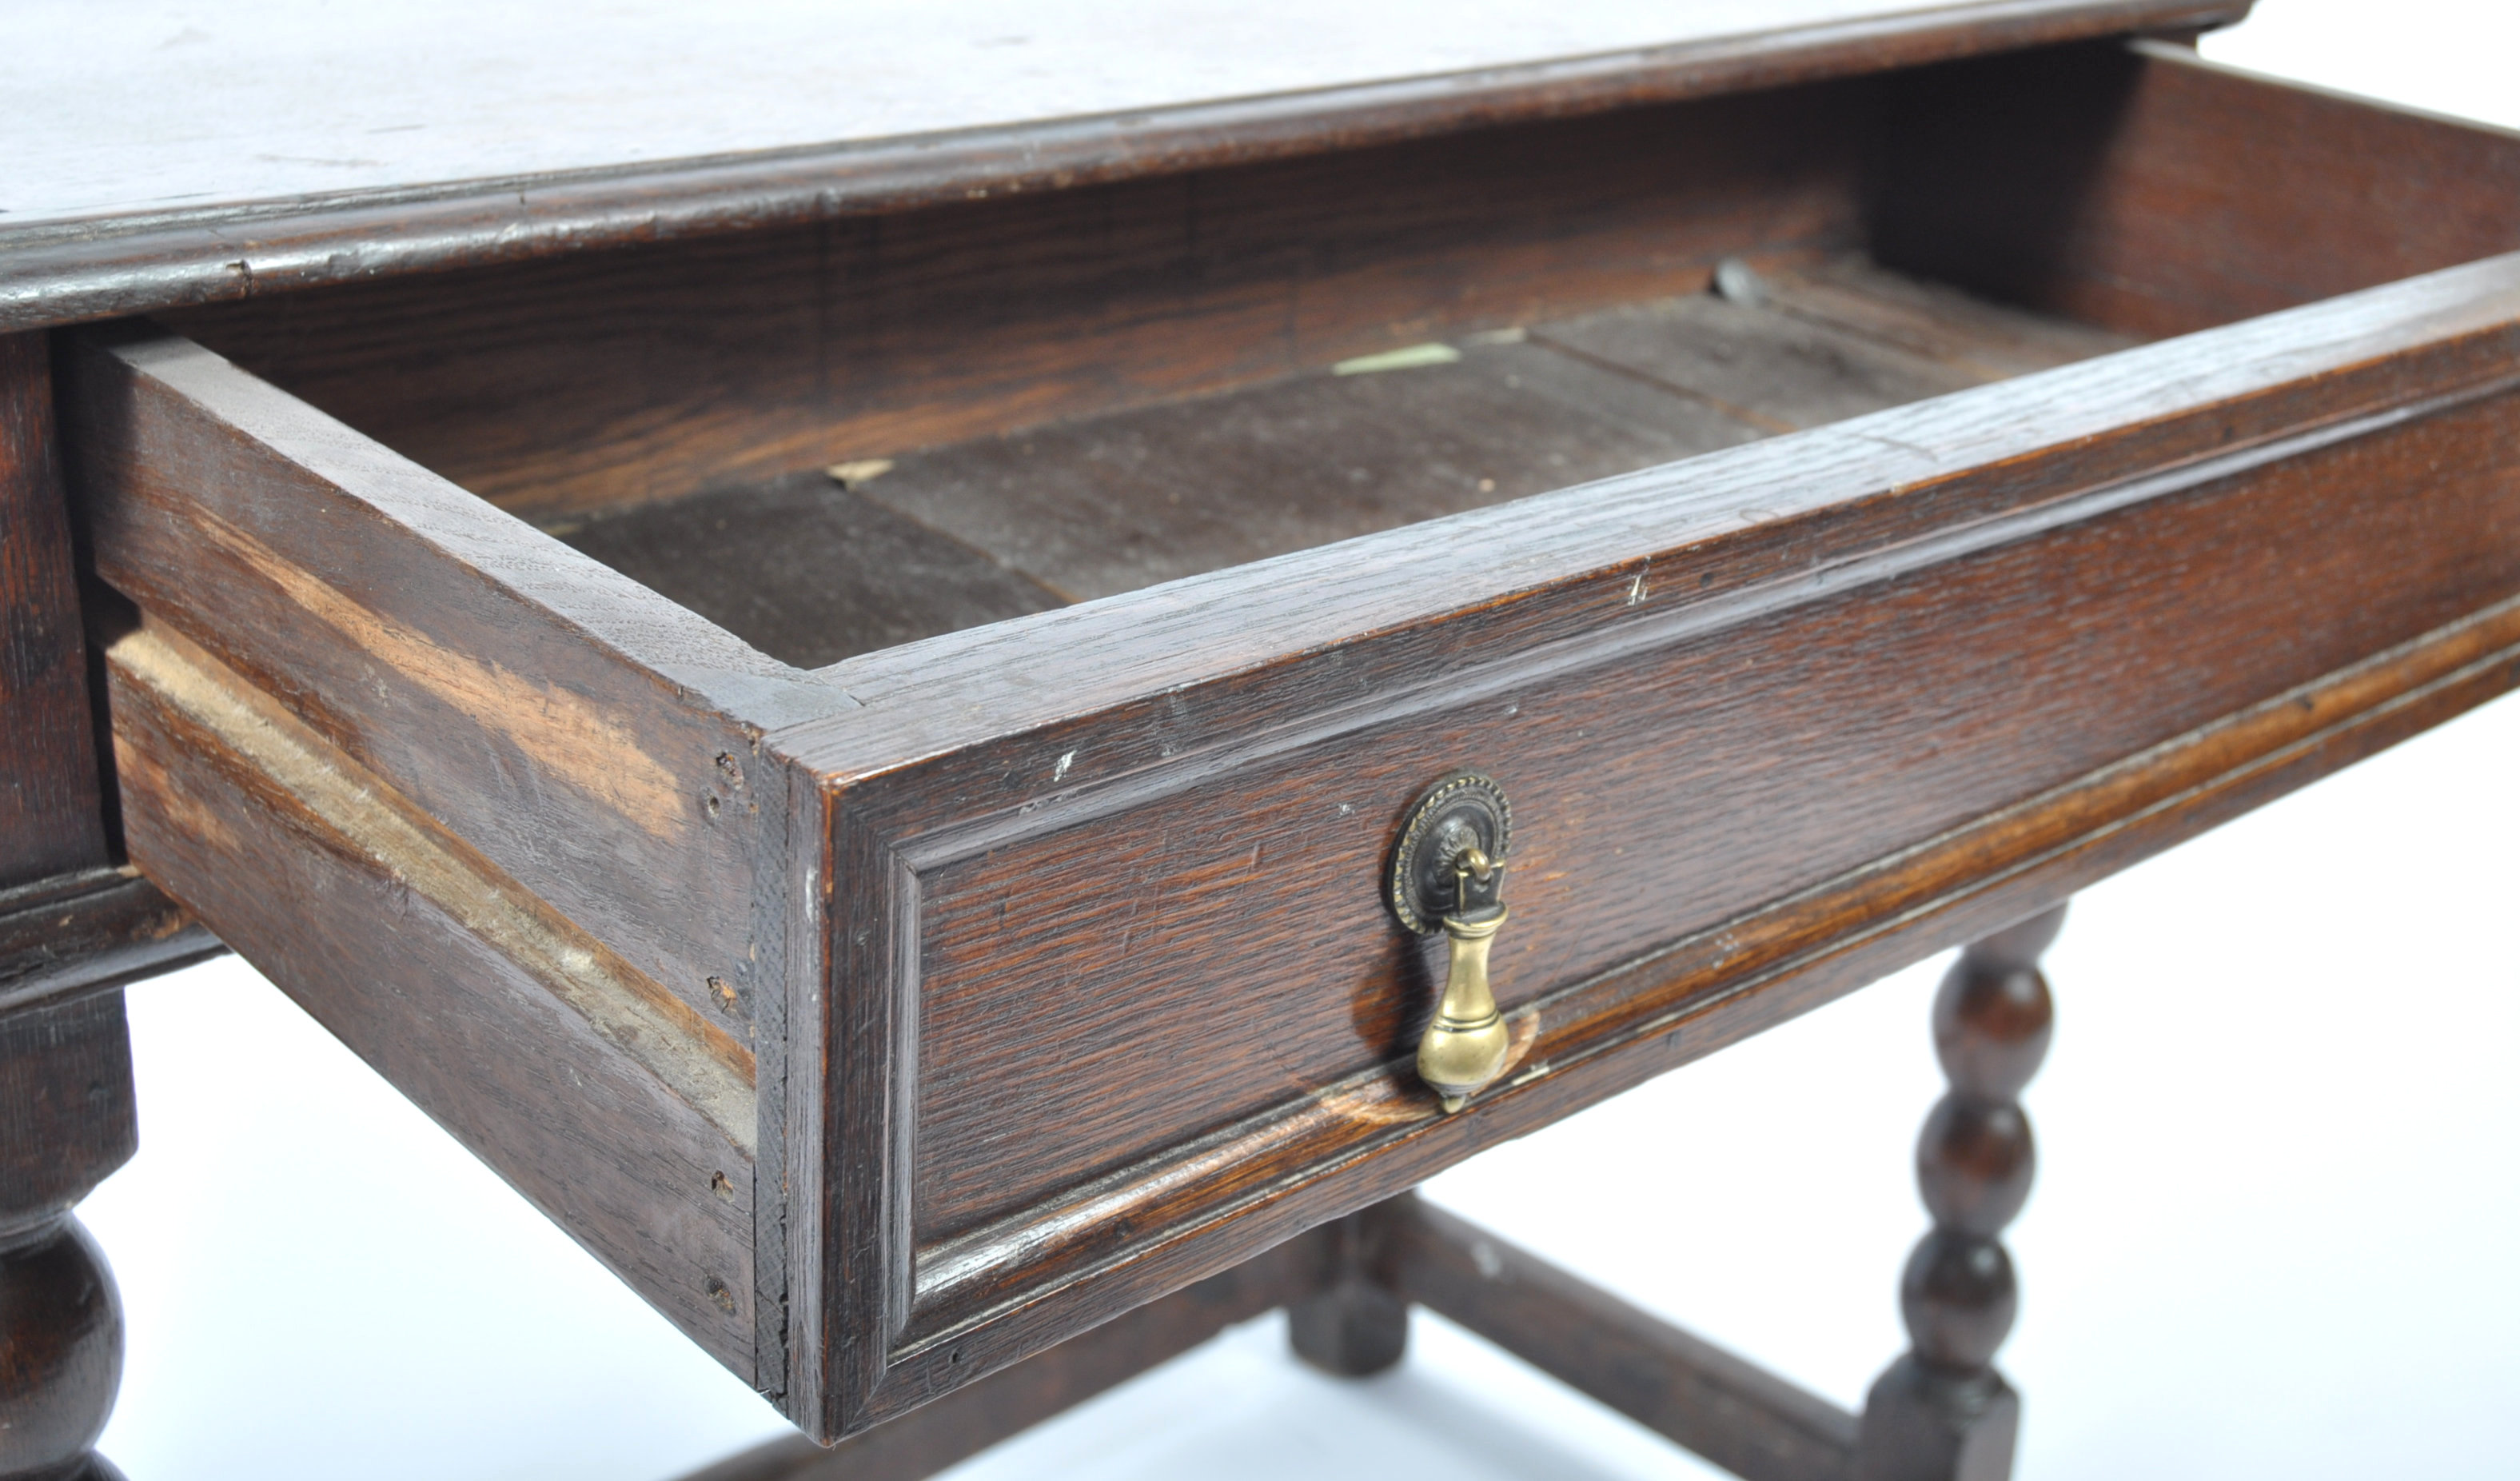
{"x":1463,"y":811}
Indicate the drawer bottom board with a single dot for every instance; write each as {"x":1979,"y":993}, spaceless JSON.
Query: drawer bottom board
{"x":884,"y":550}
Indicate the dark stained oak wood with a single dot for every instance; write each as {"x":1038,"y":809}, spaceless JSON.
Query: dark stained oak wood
{"x":808,"y":570}
{"x":65,"y":1103}
{"x":530,"y":385}
{"x":276,"y":231}
{"x":1586,"y":748}
{"x":951,"y":943}
{"x":68,"y":924}
{"x":66,"y":1121}
{"x":72,"y":928}
{"x":613,"y":1105}
{"x":1116,"y":502}
{"x":977,"y":532}
{"x":533,"y":387}
{"x":1943,"y":1412}
{"x":2416,"y":366}
{"x":51,"y":813}
{"x":99,"y":927}
{"x":478,"y":666}
{"x":70,"y":916}
{"x":1355,"y":1322}
{"x":61,"y":1353}
{"x":2066,"y":625}
{"x":2146,"y":191}
{"x":1978,"y":337}
{"x":1773,"y":371}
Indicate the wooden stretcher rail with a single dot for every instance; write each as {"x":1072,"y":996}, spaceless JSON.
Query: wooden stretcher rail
{"x":94,"y":928}
{"x":1745,"y":1420}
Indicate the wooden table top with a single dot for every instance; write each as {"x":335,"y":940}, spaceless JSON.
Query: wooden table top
{"x":157,"y":160}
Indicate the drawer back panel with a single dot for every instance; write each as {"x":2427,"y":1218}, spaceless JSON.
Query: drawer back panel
{"x":617,"y":378}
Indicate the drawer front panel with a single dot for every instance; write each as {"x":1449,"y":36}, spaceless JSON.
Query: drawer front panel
{"x":1215,"y":942}
{"x":1114,"y":996}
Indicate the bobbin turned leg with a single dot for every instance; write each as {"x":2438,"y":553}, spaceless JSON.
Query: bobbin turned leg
{"x":1943,"y":1412}
{"x":66,"y":1121}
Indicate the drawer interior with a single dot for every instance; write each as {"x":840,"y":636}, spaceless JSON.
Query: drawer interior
{"x":834,"y":439}
{"x":829,"y":564}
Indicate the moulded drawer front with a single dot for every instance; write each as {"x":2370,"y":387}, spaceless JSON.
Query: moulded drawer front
{"x":1128,"y":959}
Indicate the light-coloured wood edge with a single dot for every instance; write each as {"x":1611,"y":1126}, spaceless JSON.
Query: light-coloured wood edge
{"x":623,"y":1116}
{"x":594,"y":741}
{"x":698,"y":1060}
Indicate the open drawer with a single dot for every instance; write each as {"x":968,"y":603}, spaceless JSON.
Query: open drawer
{"x":857,"y":763}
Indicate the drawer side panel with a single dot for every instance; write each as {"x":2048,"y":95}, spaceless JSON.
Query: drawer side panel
{"x":596,"y":1096}
{"x":551,"y":714}
{"x":2144,"y":190}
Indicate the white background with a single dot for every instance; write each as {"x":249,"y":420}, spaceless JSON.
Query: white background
{"x":2273,"y":1231}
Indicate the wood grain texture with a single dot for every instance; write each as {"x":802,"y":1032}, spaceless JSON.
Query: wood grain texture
{"x":1776,"y":718}
{"x":807,"y":570}
{"x":52,"y":813}
{"x":483,"y":671}
{"x":1930,"y":701}
{"x":1219,"y":1201}
{"x":1897,"y":701}
{"x":606,"y":378}
{"x":69,"y":918}
{"x":2147,"y":191}
{"x":610,"y":1105}
{"x":1918,"y":677}
{"x":255,"y":243}
{"x":981,"y":530}
{"x":1982,"y":338}
{"x":67,"y":1115}
{"x":1109,"y":504}
{"x":1773,"y":371}
{"x":99,"y":927}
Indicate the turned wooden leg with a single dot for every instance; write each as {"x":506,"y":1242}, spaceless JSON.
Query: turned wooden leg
{"x":1356,"y":1324}
{"x":66,"y":1121}
{"x":1943,"y":1412}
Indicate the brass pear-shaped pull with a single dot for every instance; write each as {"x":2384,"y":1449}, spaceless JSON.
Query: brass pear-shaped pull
{"x":1447,"y":875}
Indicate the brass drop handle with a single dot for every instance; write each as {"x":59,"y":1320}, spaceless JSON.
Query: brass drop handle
{"x":1447,"y":874}
{"x":1464,"y":1046}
